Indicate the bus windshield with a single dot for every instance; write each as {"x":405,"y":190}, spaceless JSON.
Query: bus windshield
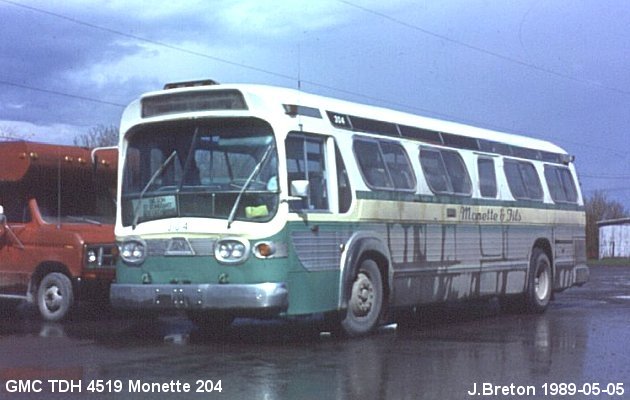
{"x":217,"y":168}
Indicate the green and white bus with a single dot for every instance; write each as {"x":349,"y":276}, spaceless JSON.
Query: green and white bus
{"x":258,"y":201}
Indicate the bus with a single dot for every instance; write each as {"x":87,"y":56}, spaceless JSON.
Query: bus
{"x":257,"y":201}
{"x":57,"y":217}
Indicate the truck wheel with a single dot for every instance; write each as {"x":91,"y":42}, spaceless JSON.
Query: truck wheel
{"x":540,"y":282}
{"x":366,"y":300}
{"x":54,"y":296}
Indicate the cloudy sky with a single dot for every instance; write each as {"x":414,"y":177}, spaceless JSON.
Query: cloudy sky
{"x":556,"y":70}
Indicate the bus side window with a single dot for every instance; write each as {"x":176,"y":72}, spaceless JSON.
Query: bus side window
{"x":445,"y":171}
{"x":399,"y":166}
{"x":384,"y":165}
{"x":371,"y":164}
{"x":523,"y":180}
{"x":487,"y":177}
{"x":306,"y":161}
{"x":434,"y":170}
{"x":343,"y":183}
{"x":560,"y":184}
{"x":568,"y":184}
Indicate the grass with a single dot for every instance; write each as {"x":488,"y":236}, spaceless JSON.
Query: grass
{"x":609,"y":262}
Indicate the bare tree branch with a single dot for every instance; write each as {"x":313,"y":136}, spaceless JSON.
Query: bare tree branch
{"x":98,"y":136}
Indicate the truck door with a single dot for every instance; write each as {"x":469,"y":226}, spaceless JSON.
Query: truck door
{"x":15,"y":268}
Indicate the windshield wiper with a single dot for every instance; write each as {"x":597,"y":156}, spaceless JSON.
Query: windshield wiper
{"x":247,"y":182}
{"x":189,"y":159}
{"x":146,"y":187}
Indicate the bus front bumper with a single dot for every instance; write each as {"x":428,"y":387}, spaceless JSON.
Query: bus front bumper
{"x":239,"y":298}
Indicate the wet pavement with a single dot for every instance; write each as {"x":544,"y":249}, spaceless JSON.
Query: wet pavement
{"x":578,"y":349}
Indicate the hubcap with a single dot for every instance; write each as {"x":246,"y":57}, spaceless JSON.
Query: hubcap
{"x":53,"y":298}
{"x":542,"y":283}
{"x":362,"y":295}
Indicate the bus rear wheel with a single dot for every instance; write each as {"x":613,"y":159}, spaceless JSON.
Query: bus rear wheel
{"x":540,"y":282}
{"x":365,"y":303}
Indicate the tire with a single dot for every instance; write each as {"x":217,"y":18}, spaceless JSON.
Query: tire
{"x":539,"y":284}
{"x":55,"y":297}
{"x":366,"y":300}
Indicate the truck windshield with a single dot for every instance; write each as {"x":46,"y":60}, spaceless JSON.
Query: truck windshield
{"x":82,"y":197}
{"x":217,"y":168}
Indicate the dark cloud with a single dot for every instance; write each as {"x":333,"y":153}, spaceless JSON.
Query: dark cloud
{"x":77,"y":64}
{"x":39,"y":52}
{"x":44,"y":50}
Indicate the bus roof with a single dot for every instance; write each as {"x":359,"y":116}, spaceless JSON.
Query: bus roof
{"x":259,"y":96}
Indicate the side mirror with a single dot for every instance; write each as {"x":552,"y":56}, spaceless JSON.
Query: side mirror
{"x":299,"y":188}
{"x":2,"y":222}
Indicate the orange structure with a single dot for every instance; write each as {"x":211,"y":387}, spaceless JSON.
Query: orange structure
{"x":57,"y":208}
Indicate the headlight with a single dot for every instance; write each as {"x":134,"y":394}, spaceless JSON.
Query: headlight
{"x":231,"y":250}
{"x":91,"y":256}
{"x":101,"y":255}
{"x":133,"y":251}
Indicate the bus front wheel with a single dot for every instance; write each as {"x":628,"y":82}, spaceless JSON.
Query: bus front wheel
{"x":366,"y":300}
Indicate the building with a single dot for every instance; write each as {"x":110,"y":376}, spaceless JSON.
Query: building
{"x":614,"y":238}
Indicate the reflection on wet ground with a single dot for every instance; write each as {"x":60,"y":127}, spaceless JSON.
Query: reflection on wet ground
{"x":581,"y":339}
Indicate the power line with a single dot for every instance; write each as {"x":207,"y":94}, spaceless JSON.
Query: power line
{"x":55,"y":92}
{"x":482,"y":50}
{"x":617,"y":189}
{"x":590,"y":145}
{"x":605,"y":176}
{"x":225,"y":61}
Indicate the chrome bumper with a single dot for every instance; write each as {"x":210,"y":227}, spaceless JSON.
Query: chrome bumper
{"x":263,"y":297}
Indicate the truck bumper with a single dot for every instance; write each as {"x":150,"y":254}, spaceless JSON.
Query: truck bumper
{"x":96,"y":290}
{"x":262,"y":298}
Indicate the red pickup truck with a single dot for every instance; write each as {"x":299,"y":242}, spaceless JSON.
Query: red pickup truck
{"x":57,"y":210}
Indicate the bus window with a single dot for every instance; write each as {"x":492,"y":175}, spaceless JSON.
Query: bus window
{"x":398,"y":165}
{"x":434,"y":170}
{"x":561,"y":185}
{"x":306,"y":161}
{"x":460,"y":181}
{"x":371,"y":163}
{"x":343,"y":183}
{"x":168,"y":175}
{"x":384,"y":165}
{"x":487,"y":177}
{"x":214,"y":169}
{"x":523,"y":180}
{"x":568,"y":184}
{"x":445,"y":171}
